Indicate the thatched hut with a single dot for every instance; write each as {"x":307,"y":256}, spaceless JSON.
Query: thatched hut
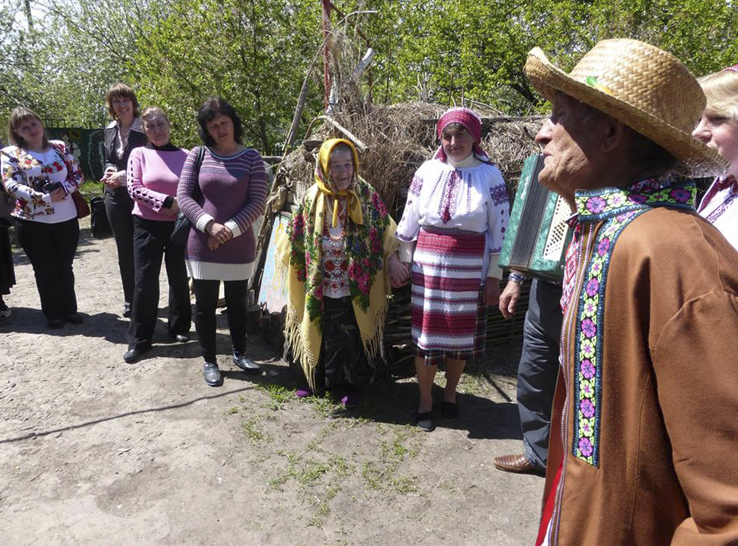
{"x":393,"y":141}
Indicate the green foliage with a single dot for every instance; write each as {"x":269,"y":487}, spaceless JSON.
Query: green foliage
{"x":254,"y":54}
{"x":257,"y":53}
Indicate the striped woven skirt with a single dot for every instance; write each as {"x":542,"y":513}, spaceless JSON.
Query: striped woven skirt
{"x":448,"y":314}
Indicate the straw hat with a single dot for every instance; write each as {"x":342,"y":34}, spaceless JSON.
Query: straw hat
{"x":642,"y":86}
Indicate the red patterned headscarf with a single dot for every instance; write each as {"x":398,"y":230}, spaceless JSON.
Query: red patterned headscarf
{"x":468,"y":119}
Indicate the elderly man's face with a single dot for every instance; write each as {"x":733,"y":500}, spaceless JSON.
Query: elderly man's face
{"x":570,"y":147}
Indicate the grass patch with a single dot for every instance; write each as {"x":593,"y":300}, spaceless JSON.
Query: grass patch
{"x":321,"y":514}
{"x":252,"y":431}
{"x":91,"y":188}
{"x":311,"y":473}
{"x":278,"y":395}
{"x":324,"y":405}
{"x":384,"y":472}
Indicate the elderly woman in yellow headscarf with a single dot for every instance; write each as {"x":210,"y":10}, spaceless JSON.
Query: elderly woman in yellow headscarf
{"x":340,"y":252}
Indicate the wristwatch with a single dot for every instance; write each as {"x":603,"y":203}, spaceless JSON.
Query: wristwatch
{"x":517,"y":278}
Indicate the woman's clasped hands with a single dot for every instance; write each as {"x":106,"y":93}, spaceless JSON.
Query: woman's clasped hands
{"x":219,"y":235}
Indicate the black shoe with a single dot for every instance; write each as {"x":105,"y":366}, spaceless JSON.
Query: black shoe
{"x":212,"y":375}
{"x":180,"y":338}
{"x":449,"y":411}
{"x":246,"y":364}
{"x":132,"y":355}
{"x":4,"y":310}
{"x":75,"y":318}
{"x":424,"y":421}
{"x":126,"y":310}
{"x":56,"y":324}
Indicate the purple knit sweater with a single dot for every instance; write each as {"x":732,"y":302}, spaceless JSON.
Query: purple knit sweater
{"x":234,"y":192}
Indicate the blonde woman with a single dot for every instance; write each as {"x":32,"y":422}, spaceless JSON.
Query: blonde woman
{"x":718,"y":128}
{"x":40,"y":176}
{"x":153,"y":175}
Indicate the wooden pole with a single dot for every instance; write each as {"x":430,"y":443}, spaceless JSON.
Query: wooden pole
{"x":326,"y":60}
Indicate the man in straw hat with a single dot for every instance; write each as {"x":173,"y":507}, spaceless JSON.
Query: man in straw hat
{"x":644,"y":427}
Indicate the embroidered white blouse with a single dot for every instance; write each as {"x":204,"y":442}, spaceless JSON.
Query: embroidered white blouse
{"x":720,"y":208}
{"x":468,"y":195}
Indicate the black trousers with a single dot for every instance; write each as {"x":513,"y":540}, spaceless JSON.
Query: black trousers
{"x":118,"y":207}
{"x":206,"y":301}
{"x":50,"y":249}
{"x":151,"y":242}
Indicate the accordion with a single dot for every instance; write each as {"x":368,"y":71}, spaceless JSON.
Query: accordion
{"x":536,"y":239}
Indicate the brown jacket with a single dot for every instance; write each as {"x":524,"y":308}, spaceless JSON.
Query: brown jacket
{"x":667,"y":469}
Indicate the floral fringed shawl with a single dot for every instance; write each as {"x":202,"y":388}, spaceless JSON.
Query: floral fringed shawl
{"x":369,"y":241}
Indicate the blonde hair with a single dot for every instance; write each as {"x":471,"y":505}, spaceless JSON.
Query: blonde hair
{"x":150,"y":112}
{"x":721,"y":91}
{"x":18,"y":116}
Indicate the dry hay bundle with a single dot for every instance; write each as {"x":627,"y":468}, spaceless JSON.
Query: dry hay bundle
{"x":397,"y":139}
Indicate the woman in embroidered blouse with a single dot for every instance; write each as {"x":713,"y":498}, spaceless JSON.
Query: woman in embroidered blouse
{"x":718,"y":128}
{"x":122,"y":135}
{"x":153,"y":175}
{"x":451,"y":232}
{"x":41,"y":175}
{"x":335,"y":248}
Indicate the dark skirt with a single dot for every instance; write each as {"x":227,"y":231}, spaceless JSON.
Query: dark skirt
{"x":342,"y":360}
{"x":7,"y":274}
{"x":342,"y":355}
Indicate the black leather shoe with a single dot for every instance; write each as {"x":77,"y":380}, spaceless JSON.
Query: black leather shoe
{"x":75,"y":318}
{"x":424,"y":421}
{"x":212,"y":375}
{"x":180,"y":338}
{"x":449,"y":411}
{"x":246,"y":364}
{"x":134,"y":354}
{"x":126,"y":310}
{"x":56,"y":324}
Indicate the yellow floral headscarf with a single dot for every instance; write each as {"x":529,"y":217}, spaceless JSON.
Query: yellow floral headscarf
{"x":326,"y":185}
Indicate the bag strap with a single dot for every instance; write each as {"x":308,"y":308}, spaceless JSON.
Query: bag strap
{"x":197,"y":192}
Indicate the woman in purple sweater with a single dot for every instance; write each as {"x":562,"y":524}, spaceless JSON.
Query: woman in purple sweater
{"x":222,"y":246}
{"x":153,"y":175}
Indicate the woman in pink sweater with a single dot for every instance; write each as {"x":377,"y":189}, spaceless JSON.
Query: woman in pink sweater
{"x":153,"y":175}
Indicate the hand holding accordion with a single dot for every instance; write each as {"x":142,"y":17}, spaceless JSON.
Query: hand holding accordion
{"x":538,"y":235}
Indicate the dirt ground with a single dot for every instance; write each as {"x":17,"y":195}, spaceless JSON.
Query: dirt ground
{"x":94,"y":451}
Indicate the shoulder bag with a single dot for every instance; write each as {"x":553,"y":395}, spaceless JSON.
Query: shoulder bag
{"x":182,"y":225}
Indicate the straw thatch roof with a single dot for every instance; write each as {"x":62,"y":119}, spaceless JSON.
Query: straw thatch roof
{"x":393,"y":141}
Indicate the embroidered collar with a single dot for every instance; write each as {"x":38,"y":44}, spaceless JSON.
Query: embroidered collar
{"x":605,"y":203}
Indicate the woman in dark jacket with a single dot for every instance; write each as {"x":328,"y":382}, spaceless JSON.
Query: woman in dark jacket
{"x":122,"y":135}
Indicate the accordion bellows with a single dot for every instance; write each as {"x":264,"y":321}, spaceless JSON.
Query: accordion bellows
{"x":536,"y":239}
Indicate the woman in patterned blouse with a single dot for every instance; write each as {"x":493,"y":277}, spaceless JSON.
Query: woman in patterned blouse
{"x":41,"y":176}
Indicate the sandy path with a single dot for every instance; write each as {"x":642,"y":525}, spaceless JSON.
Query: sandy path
{"x":96,"y":451}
